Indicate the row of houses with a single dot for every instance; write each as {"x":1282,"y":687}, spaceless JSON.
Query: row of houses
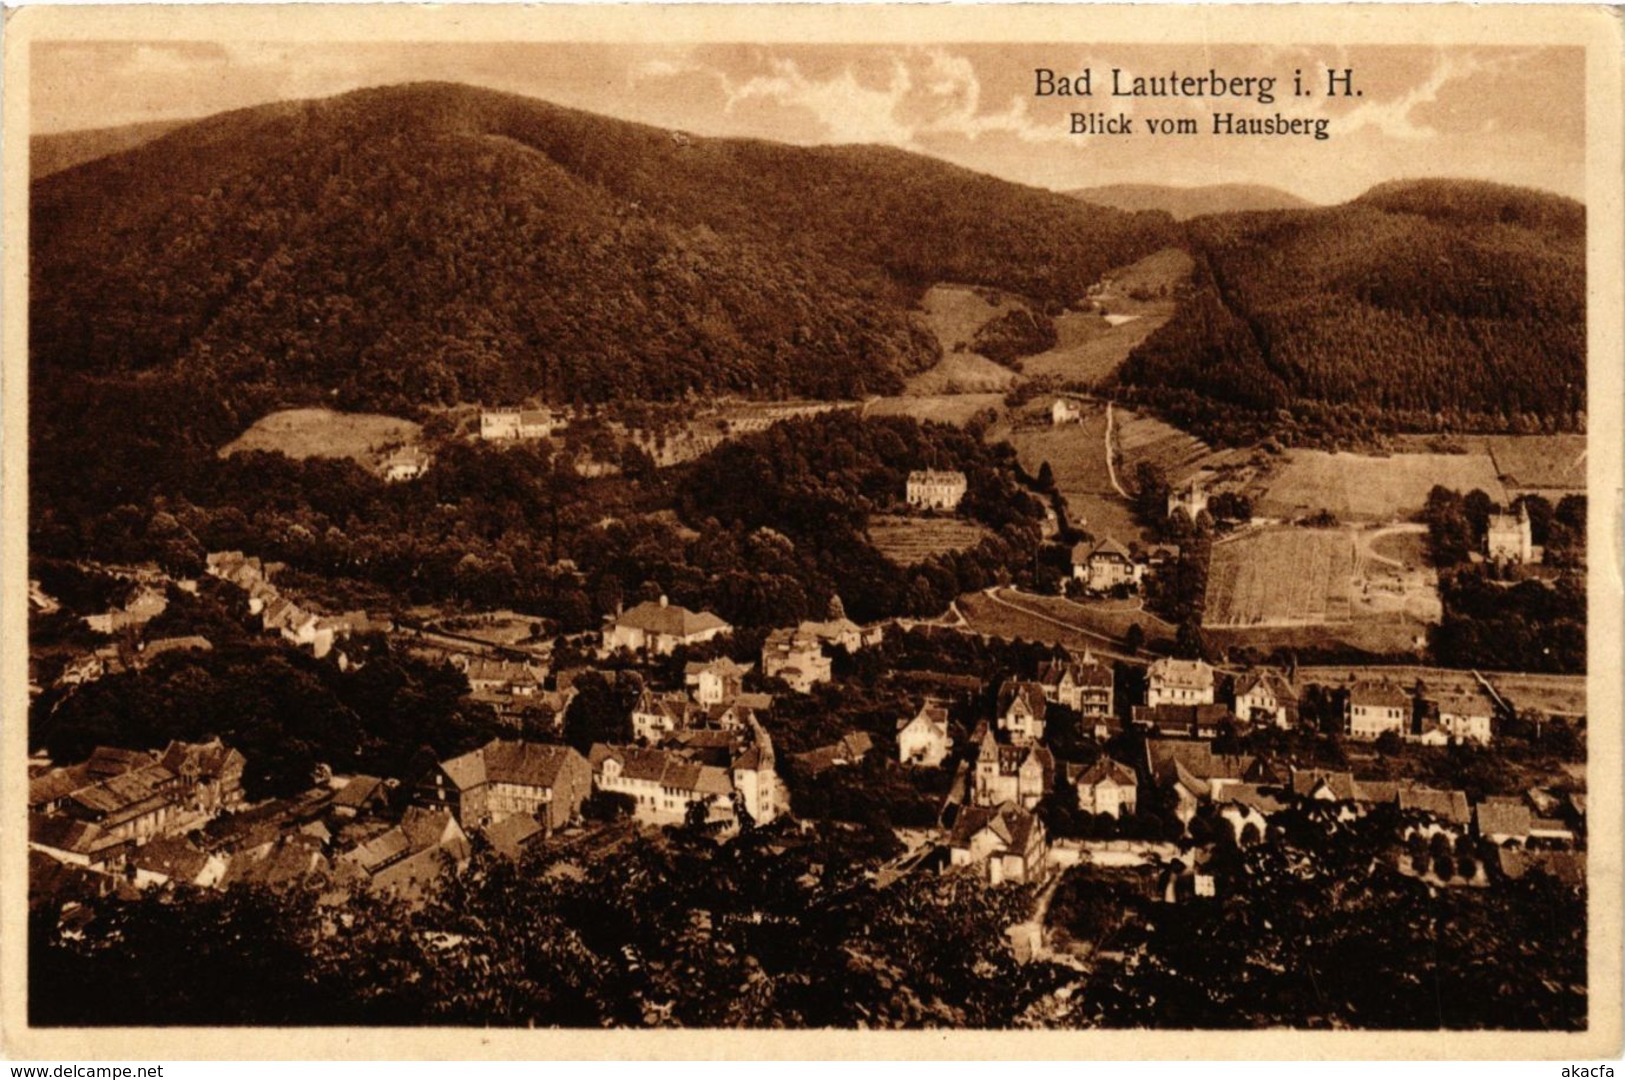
{"x":117,"y":800}
{"x":279,"y":614}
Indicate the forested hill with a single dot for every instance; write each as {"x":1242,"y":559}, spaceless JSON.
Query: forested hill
{"x":1188,"y":202}
{"x":433,"y":243}
{"x":1423,"y":305}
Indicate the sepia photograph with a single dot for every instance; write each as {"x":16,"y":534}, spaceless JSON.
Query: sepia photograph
{"x":634,"y":521}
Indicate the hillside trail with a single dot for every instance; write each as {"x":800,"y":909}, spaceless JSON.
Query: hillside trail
{"x":1111,"y":467}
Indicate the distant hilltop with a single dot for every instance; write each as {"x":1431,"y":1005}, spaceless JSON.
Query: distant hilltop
{"x":1184,"y":203}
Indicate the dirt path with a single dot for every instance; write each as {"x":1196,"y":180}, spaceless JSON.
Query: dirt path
{"x":1367,"y":541}
{"x":1112,"y":647}
{"x":1111,"y":467}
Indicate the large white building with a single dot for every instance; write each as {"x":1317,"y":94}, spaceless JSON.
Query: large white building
{"x":933,"y":490}
{"x":1179,"y":682}
{"x":1377,"y":707}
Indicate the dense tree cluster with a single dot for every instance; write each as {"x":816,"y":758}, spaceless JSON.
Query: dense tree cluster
{"x":285,"y":711}
{"x":770,"y":930}
{"x":1313,"y":928}
{"x":1425,"y":307}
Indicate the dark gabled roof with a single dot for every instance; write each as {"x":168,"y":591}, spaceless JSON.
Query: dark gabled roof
{"x":1272,"y":681}
{"x":1165,"y":757}
{"x":531,"y":764}
{"x":1259,"y":797}
{"x":58,"y":783}
{"x":1110,"y":548}
{"x":671,"y":619}
{"x":108,"y":761}
{"x":358,"y":792}
{"x":1030,"y":692}
{"x":1445,"y":805}
{"x":1382,"y":695}
{"x":1509,"y":817}
{"x":1009,"y":822}
{"x":172,"y":856}
{"x":510,"y":835}
{"x":65,"y":834}
{"x":120,"y":793}
{"x":1340,"y":784}
{"x":1107,"y":769}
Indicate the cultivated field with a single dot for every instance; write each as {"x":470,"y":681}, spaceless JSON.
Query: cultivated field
{"x":1281,"y":577}
{"x":956,"y":409}
{"x":304,"y":433}
{"x":910,"y":540}
{"x":1179,"y":454}
{"x":1356,"y":487}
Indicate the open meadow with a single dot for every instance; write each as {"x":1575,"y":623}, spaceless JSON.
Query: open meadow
{"x":1077,"y":458}
{"x":305,"y":433}
{"x":1359,"y":487}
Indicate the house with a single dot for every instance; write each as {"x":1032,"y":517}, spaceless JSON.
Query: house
{"x":842,"y":632}
{"x":1568,"y":867}
{"x":1021,"y":711}
{"x":506,"y":777}
{"x":1508,"y":538}
{"x":1189,"y":499}
{"x":1104,"y":566}
{"x":1179,"y":682}
{"x":363,"y":795}
{"x":656,"y":715}
{"x":1502,"y":820}
{"x":211,"y":773}
{"x":659,"y":627}
{"x":513,"y":836}
{"x":848,"y":750}
{"x":925,"y":740}
{"x":1446,"y":807}
{"x":134,"y":806}
{"x":1065,"y":412}
{"x":1021,"y":773}
{"x":1192,"y":770}
{"x":512,"y":677}
{"x":1377,"y":707}
{"x":1086,"y":686}
{"x":1243,"y":807}
{"x":1462,"y":714}
{"x":175,"y":859}
{"x":407,"y":859}
{"x":929,"y":489}
{"x":736,"y":771}
{"x":496,"y":424}
{"x":147,"y":604}
{"x":1185,"y":721}
{"x":1266,"y":696}
{"x":796,"y":658}
{"x":407,"y":463}
{"x":77,"y":843}
{"x":1007,"y":840}
{"x":715,"y":681}
{"x":1108,"y":787}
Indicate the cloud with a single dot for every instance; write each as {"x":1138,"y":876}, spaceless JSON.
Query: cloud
{"x":907,"y":98}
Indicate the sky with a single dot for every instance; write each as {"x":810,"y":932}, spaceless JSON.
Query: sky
{"x":1509,"y":114}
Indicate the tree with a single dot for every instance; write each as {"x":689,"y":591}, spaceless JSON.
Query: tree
{"x":1134,"y":639}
